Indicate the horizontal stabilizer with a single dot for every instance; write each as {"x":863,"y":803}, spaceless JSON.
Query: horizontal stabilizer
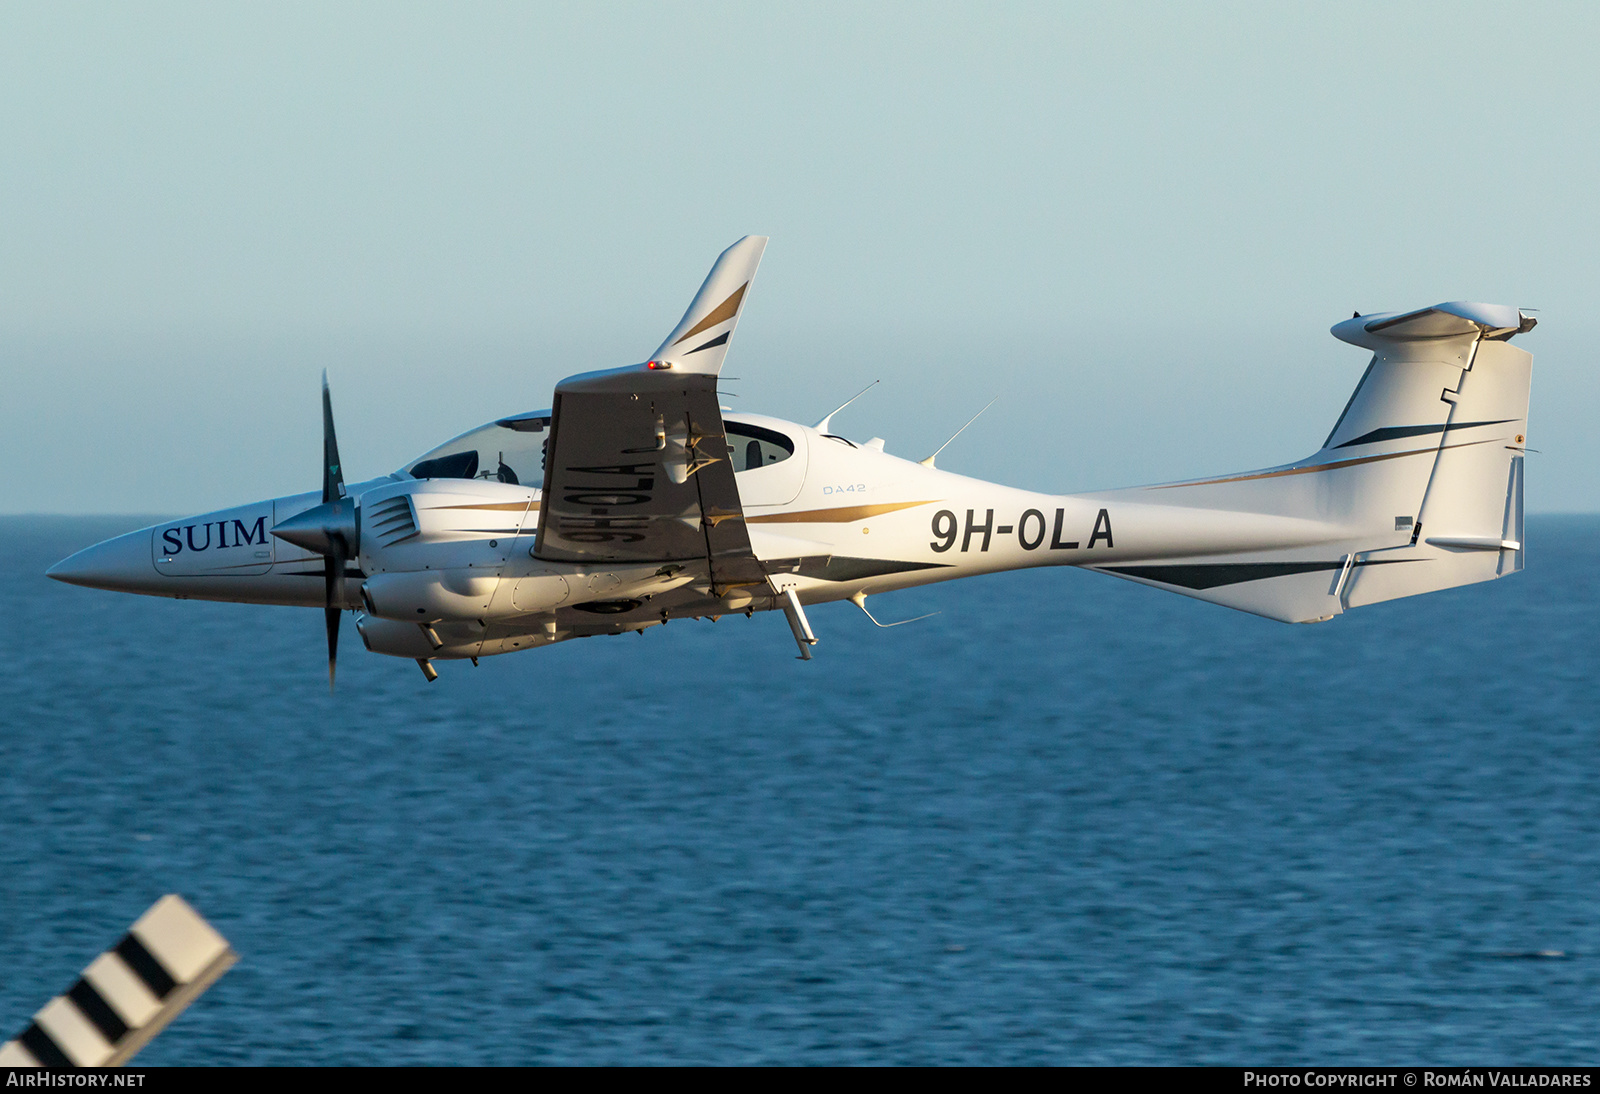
{"x":1455,"y":319}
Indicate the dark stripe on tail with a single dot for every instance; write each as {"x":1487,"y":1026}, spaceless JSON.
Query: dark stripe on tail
{"x":1396,"y":432}
{"x":1211,"y":575}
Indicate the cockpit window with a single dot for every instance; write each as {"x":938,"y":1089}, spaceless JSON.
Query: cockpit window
{"x":750,"y":446}
{"x":461,"y":465}
{"x":511,"y":450}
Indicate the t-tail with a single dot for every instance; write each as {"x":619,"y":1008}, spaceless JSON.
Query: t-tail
{"x":1418,"y":487}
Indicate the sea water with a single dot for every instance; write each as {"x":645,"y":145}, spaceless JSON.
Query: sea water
{"x":1067,"y":820}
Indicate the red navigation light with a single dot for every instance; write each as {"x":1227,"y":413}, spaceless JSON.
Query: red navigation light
{"x":658,"y":364}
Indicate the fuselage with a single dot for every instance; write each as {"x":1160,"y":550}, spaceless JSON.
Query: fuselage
{"x":830,"y":518}
{"x":844,"y":518}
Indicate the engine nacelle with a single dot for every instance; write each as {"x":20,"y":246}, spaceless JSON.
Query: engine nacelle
{"x":394,"y":638}
{"x":390,"y":636}
{"x":430,"y":596}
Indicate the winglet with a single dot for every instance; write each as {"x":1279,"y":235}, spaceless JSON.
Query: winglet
{"x":700,"y":341}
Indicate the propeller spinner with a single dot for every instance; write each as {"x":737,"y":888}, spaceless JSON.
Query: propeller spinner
{"x":329,"y":529}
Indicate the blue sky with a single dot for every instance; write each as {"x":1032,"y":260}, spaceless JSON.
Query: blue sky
{"x":1134,"y":224}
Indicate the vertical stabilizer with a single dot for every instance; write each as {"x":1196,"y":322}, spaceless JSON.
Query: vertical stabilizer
{"x":1419,"y":486}
{"x":1469,"y":523}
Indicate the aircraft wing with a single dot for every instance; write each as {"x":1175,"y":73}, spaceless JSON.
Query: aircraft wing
{"x":638,"y":468}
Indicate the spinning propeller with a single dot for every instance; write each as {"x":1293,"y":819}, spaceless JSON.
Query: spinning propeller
{"x":329,"y":529}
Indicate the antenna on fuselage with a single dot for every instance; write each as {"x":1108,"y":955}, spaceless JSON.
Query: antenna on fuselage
{"x":929,"y":461}
{"x":822,"y":426}
{"x":860,"y":601}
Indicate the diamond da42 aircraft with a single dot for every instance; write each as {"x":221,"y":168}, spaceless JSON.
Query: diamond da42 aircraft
{"x":636,"y":500}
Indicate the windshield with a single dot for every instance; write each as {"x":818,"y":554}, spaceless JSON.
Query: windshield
{"x":510,"y":450}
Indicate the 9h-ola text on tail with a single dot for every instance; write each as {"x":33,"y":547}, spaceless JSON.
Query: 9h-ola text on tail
{"x":636,"y":500}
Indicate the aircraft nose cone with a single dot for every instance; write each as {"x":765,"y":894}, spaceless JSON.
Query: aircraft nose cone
{"x":123,"y":562}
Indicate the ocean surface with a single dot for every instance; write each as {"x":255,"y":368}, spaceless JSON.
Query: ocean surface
{"x":1069,"y":820}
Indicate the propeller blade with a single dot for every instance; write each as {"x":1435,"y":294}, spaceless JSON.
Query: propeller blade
{"x":332,"y":472}
{"x":330,"y":529}
{"x":333,"y":605}
{"x":332,"y":620}
{"x":336,"y":563}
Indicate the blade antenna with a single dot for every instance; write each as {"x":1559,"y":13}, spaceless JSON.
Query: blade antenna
{"x":929,"y":461}
{"x":823,"y":426}
{"x":860,"y":601}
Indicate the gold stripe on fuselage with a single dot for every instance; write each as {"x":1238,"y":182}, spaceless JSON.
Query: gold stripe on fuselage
{"x":506,"y":506}
{"x":834,"y":516}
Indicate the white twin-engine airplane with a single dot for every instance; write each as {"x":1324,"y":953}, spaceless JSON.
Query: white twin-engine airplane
{"x":637,"y":500}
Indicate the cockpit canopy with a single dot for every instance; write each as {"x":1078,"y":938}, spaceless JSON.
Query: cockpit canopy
{"x":512,"y":450}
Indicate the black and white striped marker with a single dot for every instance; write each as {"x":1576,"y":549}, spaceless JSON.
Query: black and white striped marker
{"x":128,"y":994}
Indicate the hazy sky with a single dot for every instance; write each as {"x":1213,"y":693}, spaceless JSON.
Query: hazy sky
{"x":1132,"y":223}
